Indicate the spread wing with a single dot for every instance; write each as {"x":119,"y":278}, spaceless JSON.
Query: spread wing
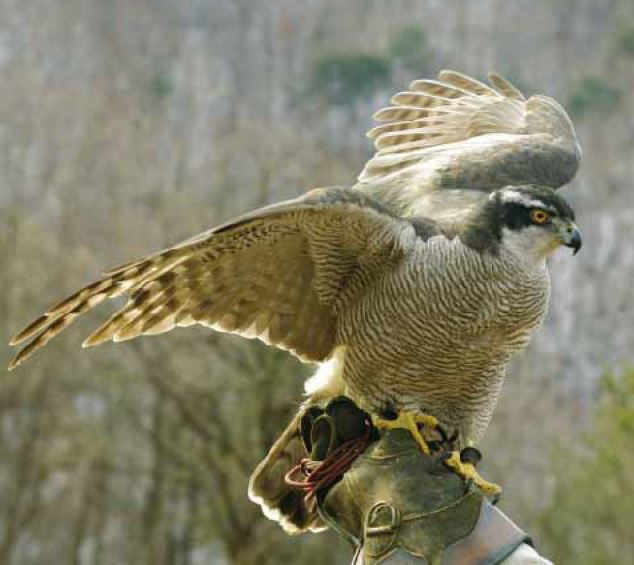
{"x":281,"y":274}
{"x":457,"y":132}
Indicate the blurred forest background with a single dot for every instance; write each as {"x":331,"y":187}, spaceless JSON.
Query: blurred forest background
{"x":128,"y":125}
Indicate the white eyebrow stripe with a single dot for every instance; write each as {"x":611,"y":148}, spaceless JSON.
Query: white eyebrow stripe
{"x":519,"y":198}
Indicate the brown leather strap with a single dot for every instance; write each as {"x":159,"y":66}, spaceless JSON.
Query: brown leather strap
{"x":492,"y":540}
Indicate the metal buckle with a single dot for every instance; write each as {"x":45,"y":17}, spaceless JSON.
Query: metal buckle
{"x":375,"y":515}
{"x":379,"y":535}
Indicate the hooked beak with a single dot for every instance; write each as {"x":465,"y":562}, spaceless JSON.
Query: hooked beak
{"x":571,"y":237}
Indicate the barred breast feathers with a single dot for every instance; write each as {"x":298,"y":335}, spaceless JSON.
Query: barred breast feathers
{"x":438,"y":333}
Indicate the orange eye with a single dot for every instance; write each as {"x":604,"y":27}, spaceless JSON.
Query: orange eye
{"x":539,"y":216}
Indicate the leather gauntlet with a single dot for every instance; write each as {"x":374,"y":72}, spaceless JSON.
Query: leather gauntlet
{"x":396,"y":505}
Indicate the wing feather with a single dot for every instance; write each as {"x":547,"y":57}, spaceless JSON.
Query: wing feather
{"x":282,"y":273}
{"x":466,"y":83}
{"x":459,"y":132}
{"x":437,"y":88}
{"x":504,"y":87}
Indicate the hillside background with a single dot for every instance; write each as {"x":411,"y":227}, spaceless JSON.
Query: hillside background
{"x":128,"y":125}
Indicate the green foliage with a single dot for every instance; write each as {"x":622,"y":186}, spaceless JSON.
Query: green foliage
{"x":408,"y":46}
{"x":346,"y":77}
{"x":591,"y":514}
{"x":624,"y":40}
{"x":592,"y":95}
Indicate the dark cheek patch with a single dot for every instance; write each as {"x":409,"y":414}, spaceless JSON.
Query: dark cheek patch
{"x":516,"y":217}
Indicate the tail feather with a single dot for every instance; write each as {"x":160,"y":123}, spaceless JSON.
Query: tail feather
{"x":279,"y":501}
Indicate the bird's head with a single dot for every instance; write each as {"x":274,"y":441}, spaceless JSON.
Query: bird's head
{"x":531,"y":221}
{"x":534,"y":220}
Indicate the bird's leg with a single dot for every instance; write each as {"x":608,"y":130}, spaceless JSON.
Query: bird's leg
{"x":463,"y":463}
{"x":410,"y":421}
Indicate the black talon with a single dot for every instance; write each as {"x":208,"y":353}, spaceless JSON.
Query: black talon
{"x":389,"y":414}
{"x":470,"y":455}
{"x":434,"y":445}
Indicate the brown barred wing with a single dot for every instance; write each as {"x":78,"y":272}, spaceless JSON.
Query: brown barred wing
{"x":280,"y":274}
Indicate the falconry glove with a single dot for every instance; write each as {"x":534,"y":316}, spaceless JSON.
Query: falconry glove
{"x":397,"y":505}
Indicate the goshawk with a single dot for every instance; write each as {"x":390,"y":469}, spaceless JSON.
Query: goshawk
{"x":411,"y":289}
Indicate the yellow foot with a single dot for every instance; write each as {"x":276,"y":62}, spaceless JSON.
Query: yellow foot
{"x":468,"y":472}
{"x":410,"y":421}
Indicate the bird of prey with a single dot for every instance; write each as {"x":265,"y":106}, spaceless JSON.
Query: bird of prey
{"x":411,"y":289}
